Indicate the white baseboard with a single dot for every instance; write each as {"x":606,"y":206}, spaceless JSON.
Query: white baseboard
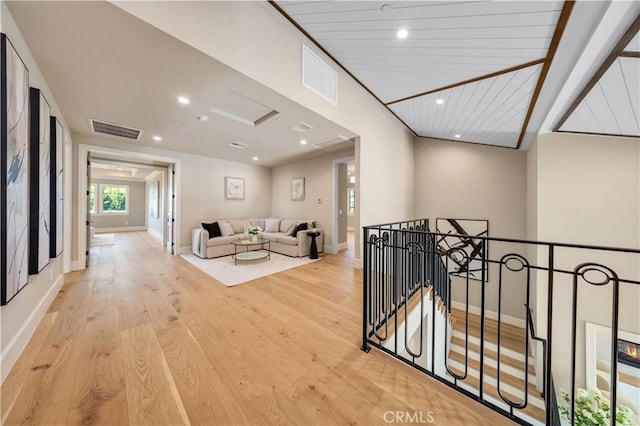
{"x":185,"y":249}
{"x":15,"y":347}
{"x":357,"y":263}
{"x":490,"y":314}
{"x":328,"y":249}
{"x":120,"y":229}
{"x":342,"y":246}
{"x":156,"y":234}
{"x":75,"y":265}
{"x":351,"y":229}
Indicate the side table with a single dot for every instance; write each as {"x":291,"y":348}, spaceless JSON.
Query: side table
{"x":313,"y":250}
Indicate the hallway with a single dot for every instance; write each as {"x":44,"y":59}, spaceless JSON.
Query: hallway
{"x":142,"y":337}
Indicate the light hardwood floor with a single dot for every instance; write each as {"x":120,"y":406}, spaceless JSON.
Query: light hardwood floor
{"x":142,"y":337}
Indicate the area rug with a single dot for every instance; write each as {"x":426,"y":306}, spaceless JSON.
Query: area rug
{"x":224,"y":269}
{"x":103,"y":240}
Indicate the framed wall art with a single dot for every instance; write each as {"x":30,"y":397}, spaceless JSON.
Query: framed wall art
{"x":233,"y":188}
{"x":55,"y":186}
{"x":297,"y":189}
{"x":14,"y":171}
{"x":472,"y":247}
{"x":39,"y":181}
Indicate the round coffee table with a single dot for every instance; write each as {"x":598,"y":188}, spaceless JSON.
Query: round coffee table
{"x":260,"y":253}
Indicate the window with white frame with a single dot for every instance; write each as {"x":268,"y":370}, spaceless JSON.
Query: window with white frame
{"x":351,"y":201}
{"x":108,"y":199}
{"x":92,"y":199}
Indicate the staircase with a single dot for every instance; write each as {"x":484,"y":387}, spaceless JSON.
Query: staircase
{"x":512,"y":364}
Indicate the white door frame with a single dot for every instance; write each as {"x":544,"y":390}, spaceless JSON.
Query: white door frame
{"x":83,"y":151}
{"x":336,"y":191}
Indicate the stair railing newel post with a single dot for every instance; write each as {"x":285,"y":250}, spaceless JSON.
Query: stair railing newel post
{"x":549,"y":406}
{"x":483,"y":278}
{"x":365,"y":290}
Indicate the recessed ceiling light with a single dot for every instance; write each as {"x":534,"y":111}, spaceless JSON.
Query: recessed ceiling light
{"x":303,"y":142}
{"x":157,"y":138}
{"x":183,"y":100}
{"x":457,"y":136}
{"x":255,"y":158}
{"x":402,"y":33}
{"x":439,"y":101}
{"x":203,"y":117}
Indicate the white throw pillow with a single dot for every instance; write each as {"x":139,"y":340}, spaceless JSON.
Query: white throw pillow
{"x":271,"y":225}
{"x":225,"y":229}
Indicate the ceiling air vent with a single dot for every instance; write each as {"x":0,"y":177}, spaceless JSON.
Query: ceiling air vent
{"x":239,"y":145}
{"x":104,"y":128}
{"x":334,"y":144}
{"x":301,"y":127}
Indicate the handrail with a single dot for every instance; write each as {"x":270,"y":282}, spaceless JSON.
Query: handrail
{"x":404,"y":258}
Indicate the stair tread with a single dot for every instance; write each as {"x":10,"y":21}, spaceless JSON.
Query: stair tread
{"x":512,"y":337}
{"x":488,"y":389}
{"x":489,"y":353}
{"x":505,"y":377}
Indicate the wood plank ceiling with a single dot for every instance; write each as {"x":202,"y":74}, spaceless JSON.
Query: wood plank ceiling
{"x":610,"y":103}
{"x":468,"y":70}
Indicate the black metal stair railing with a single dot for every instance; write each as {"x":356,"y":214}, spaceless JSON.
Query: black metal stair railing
{"x":408,"y":285}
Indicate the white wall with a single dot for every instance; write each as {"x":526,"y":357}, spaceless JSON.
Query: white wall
{"x":135,"y":218}
{"x":261,"y":44}
{"x":469,"y":181}
{"x":318,"y":174}
{"x":588,"y":192}
{"x":20,"y":317}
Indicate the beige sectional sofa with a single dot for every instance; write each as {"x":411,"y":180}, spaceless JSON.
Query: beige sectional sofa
{"x":277,"y":231}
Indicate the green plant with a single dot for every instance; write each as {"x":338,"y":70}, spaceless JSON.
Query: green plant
{"x":254,"y":230}
{"x":314,"y":224}
{"x":592,"y":408}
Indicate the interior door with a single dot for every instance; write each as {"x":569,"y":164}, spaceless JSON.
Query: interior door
{"x":89,"y":221}
{"x":171,"y":208}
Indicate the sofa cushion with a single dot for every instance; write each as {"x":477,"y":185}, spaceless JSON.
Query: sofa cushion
{"x":212,"y":228}
{"x":239,"y":226}
{"x":271,"y":225}
{"x":271,"y":236}
{"x":301,"y":227}
{"x":257,"y":222}
{"x":286,"y":225}
{"x":290,"y":241}
{"x":225,"y":229}
{"x":221,"y":241}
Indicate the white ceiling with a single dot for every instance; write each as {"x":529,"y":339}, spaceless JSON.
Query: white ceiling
{"x":612,"y":105}
{"x":487,"y":60}
{"x":102,"y":63}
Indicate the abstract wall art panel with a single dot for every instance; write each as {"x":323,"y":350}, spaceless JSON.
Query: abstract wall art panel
{"x":55,"y":198}
{"x":14,"y":171}
{"x":39,"y":217}
{"x":464,"y":252}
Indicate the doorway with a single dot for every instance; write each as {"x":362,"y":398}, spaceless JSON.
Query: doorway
{"x":125,"y":191}
{"x":345,"y":213}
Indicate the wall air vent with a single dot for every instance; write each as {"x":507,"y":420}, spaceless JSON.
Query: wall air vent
{"x":238,"y":145}
{"x":105,"y":128}
{"x":301,"y":127}
{"x":319,"y":76}
{"x":334,"y":144}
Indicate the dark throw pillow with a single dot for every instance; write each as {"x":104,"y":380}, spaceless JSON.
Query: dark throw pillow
{"x":302,"y":227}
{"x":213,"y":229}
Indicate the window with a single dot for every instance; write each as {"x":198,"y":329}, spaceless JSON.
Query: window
{"x":107,"y":199}
{"x":114,"y":199}
{"x":92,"y":199}
{"x":351,"y":201}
